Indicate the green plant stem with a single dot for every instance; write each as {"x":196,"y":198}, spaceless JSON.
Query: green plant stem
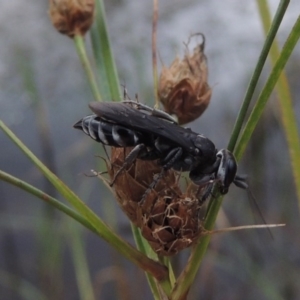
{"x":154,"y":52}
{"x":157,"y":270}
{"x":285,"y":100}
{"x":46,"y":198}
{"x":257,"y":71}
{"x":84,"y":281}
{"x":139,"y":241}
{"x":106,"y":68}
{"x":189,"y":273}
{"x":145,"y":248}
{"x":25,"y":289}
{"x":268,"y":88}
{"x":80,"y":47}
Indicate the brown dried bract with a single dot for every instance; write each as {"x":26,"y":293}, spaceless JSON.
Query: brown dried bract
{"x":183,"y":88}
{"x":168,"y":218}
{"x":72,"y":17}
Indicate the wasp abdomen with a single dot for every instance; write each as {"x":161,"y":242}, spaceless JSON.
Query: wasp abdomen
{"x":108,"y":133}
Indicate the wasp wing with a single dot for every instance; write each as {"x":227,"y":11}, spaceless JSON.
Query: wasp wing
{"x":124,"y":114}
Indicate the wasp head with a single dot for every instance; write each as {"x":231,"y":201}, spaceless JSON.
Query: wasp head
{"x":226,"y":171}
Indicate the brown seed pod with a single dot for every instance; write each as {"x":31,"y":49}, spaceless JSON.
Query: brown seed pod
{"x":72,"y":17}
{"x":168,"y":218}
{"x":183,"y":88}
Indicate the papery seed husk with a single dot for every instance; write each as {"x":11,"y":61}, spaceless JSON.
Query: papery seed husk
{"x":183,"y":89}
{"x":168,"y":218}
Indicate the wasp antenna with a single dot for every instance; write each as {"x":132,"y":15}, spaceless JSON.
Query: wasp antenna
{"x":241,"y":182}
{"x":243,"y":177}
{"x":253,"y":200}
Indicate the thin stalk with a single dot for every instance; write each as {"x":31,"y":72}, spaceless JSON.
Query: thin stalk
{"x":285,"y":54}
{"x":288,"y":116}
{"x":80,"y":47}
{"x":257,"y":71}
{"x":143,"y":247}
{"x":187,"y":276}
{"x":25,"y":289}
{"x":106,"y":67}
{"x":49,"y":276}
{"x":84,"y":281}
{"x":46,"y":198}
{"x":154,"y":52}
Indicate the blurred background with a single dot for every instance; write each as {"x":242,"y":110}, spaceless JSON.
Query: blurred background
{"x":43,"y":92}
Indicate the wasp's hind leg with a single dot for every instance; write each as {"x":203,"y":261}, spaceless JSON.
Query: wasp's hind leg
{"x":169,"y":161}
{"x":130,"y":158}
{"x":204,"y":193}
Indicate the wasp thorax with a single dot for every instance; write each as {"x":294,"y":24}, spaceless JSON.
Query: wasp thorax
{"x":167,"y":217}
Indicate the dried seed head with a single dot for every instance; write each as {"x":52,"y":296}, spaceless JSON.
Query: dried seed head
{"x":72,"y":17}
{"x":168,"y":219}
{"x":183,"y":88}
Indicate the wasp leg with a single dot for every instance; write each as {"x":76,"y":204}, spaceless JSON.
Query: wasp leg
{"x":130,"y":158}
{"x":205,"y":195}
{"x":241,"y":181}
{"x":204,"y":176}
{"x":171,"y":158}
{"x":203,"y":180}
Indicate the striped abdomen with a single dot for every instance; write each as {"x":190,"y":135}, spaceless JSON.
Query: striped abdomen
{"x":109,"y":133}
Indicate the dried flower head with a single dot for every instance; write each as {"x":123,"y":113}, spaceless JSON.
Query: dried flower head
{"x":72,"y":17}
{"x":168,"y":218}
{"x":183,"y":88}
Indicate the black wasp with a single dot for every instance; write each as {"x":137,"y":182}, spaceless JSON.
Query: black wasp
{"x":155,"y":135}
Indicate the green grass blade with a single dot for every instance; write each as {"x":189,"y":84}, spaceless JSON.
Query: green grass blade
{"x":80,"y":47}
{"x":286,"y":106}
{"x":145,"y":248}
{"x":48,"y":249}
{"x":84,"y":281}
{"x":107,"y":72}
{"x":256,"y":74}
{"x":159,"y":271}
{"x":24,"y":288}
{"x":46,"y":198}
{"x":268,"y":88}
